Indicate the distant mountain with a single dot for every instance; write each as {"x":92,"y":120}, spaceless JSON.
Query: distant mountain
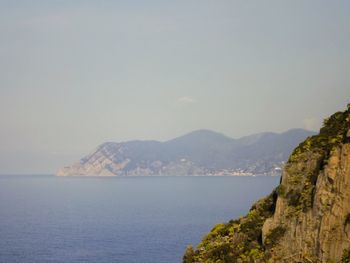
{"x":201,"y":152}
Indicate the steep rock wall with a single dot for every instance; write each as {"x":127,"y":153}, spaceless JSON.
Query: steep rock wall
{"x":320,"y":232}
{"x":305,"y":219}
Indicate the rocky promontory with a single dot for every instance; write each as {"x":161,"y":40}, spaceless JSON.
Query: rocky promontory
{"x":305,"y":219}
{"x":201,"y":152}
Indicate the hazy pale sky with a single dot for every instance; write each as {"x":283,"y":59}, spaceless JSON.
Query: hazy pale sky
{"x":75,"y":74}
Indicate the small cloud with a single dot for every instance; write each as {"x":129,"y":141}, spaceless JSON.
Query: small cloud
{"x":185,"y":100}
{"x":312,"y":123}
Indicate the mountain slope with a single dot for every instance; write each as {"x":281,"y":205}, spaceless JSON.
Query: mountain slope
{"x":201,"y":152}
{"x":306,"y":219}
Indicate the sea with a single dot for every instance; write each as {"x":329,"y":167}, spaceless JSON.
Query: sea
{"x":44,"y":218}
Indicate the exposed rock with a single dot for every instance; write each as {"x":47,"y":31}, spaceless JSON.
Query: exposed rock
{"x":310,"y":221}
{"x":321,"y":231}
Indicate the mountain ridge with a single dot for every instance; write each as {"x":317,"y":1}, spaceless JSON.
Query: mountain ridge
{"x":200,"y":152}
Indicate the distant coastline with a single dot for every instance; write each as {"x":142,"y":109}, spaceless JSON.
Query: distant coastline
{"x":174,"y":175}
{"x":202,"y":152}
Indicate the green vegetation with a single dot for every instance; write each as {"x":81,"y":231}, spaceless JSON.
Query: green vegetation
{"x":281,"y":191}
{"x":331,"y":134}
{"x":238,"y":239}
{"x":310,"y":157}
{"x":301,"y":199}
{"x":273,"y":237}
{"x":188,"y":257}
{"x":241,"y":240}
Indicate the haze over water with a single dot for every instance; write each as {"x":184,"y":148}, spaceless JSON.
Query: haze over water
{"x":134,"y":219}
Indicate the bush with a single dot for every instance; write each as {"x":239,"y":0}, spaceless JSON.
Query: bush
{"x":272,"y":238}
{"x":281,"y":190}
{"x":188,"y":257}
{"x":331,"y":134}
{"x":293,"y":198}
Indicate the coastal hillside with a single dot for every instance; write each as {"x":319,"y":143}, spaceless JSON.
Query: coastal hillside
{"x":202,"y":152}
{"x":305,"y":219}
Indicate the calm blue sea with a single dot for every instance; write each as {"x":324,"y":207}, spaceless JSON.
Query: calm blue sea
{"x":134,"y":219}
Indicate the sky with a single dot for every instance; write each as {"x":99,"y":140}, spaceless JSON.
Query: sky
{"x":75,"y":74}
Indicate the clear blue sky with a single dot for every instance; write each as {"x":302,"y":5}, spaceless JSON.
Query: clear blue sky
{"x":75,"y":74}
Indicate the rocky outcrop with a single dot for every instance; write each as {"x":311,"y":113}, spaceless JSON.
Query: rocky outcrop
{"x":306,"y":219}
{"x":317,"y":224}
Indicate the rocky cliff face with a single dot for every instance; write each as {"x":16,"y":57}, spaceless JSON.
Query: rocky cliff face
{"x":306,"y":219}
{"x":314,"y":212}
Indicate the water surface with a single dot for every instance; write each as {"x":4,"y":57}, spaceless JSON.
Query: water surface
{"x":134,"y":219}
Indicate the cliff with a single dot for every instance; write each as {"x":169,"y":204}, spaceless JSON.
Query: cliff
{"x":305,"y":219}
{"x":201,"y":152}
